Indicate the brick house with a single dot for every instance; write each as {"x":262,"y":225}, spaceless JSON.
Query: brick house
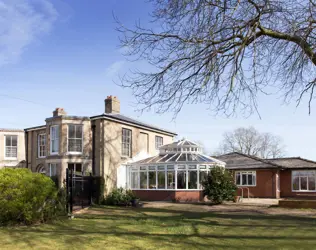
{"x":272,"y":178}
{"x":13,"y":150}
{"x":101,"y":144}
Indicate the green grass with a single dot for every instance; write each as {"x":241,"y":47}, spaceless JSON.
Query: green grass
{"x":171,"y":227}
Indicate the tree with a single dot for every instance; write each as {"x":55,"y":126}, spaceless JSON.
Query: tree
{"x":222,"y":53}
{"x":219,"y":185}
{"x":251,"y":142}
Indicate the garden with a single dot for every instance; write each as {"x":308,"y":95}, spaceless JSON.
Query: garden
{"x":33,"y":216}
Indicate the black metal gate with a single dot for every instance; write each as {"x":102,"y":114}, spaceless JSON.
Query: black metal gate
{"x":79,"y":190}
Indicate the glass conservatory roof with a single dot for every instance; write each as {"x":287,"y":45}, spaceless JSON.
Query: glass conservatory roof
{"x":180,"y":152}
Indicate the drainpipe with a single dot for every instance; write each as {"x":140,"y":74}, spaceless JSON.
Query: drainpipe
{"x":93,"y":150}
{"x":26,"y":148}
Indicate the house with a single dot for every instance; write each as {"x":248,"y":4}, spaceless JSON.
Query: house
{"x":272,"y":178}
{"x":13,"y":148}
{"x":100,"y":144}
{"x":175,"y":173}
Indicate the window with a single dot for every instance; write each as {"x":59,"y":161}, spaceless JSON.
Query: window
{"x":75,"y":138}
{"x":52,"y":169}
{"x":161,"y":176}
{"x":304,"y":180}
{"x":143,"y":180}
{"x":134,"y":180}
{"x":158,"y":141}
{"x":202,"y":175}
{"x":152,"y":180}
{"x":41,"y":145}
{"x":54,"y":139}
{"x":11,"y":146}
{"x":126,"y":142}
{"x":76,"y":168}
{"x":181,"y":177}
{"x":246,"y":178}
{"x":192,"y":177}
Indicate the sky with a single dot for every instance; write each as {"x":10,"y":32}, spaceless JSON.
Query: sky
{"x":66,"y":54}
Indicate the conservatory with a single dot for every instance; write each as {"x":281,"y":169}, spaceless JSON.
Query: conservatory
{"x":175,"y":173}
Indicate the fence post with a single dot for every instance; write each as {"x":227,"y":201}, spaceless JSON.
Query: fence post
{"x":67,"y":190}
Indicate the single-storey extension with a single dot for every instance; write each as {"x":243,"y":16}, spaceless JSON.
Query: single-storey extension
{"x":272,"y":178}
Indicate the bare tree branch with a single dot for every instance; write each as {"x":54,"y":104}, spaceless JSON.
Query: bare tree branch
{"x":222,"y":53}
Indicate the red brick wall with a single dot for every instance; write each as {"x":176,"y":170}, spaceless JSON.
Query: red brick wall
{"x":159,"y":195}
{"x":286,"y":186}
{"x":265,"y":186}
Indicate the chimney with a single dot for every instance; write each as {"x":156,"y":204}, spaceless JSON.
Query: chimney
{"x":59,"y":112}
{"x":112,"y":105}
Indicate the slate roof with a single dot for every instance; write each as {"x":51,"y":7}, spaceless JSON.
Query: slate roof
{"x":294,"y":162}
{"x":237,"y":160}
{"x":123,"y":118}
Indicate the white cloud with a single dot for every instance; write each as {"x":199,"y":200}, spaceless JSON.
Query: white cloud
{"x":114,"y":68}
{"x":21,"y":23}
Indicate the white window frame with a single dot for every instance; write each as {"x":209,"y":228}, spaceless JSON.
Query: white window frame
{"x":130,"y":143}
{"x":299,"y":185}
{"x":5,"y":147}
{"x":156,"y":141}
{"x":253,"y":173}
{"x":145,"y":169}
{"x":39,"y":146}
{"x":55,"y":139}
{"x":75,"y":152}
{"x":51,"y":172}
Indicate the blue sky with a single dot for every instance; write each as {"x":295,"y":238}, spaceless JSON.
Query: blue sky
{"x":65,"y":54}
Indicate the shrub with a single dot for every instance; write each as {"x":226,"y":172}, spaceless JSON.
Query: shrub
{"x":119,"y":197}
{"x":219,"y":186}
{"x":27,"y":197}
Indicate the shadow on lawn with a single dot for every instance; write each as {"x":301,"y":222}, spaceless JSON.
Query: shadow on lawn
{"x":130,"y":224}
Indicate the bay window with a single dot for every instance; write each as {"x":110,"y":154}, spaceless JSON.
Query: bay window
{"x":245,"y":178}
{"x":54,"y":139}
{"x":304,"y":180}
{"x":52,"y":169}
{"x":75,"y":138}
{"x":11,"y":146}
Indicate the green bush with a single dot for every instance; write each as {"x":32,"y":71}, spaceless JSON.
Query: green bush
{"x":219,"y":186}
{"x":119,"y":197}
{"x":27,"y":197}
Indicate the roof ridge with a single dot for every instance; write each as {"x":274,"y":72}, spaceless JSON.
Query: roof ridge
{"x":256,"y":158}
{"x":121,"y":117}
{"x":297,"y":157}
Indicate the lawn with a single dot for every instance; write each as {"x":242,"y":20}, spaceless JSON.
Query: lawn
{"x":173,"y":226}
